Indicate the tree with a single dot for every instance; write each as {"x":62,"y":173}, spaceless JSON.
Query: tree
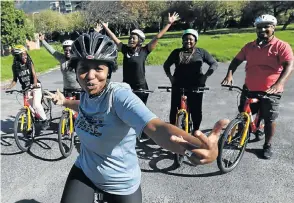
{"x":49,"y":21}
{"x":14,"y":25}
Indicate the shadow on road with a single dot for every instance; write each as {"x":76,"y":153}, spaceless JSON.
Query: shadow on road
{"x":27,"y":201}
{"x":257,"y":152}
{"x":7,"y":125}
{"x":148,"y":150}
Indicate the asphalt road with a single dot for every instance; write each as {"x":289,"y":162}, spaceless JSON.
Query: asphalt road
{"x":39,"y":176}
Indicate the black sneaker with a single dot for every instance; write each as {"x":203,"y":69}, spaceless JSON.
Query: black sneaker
{"x":45,"y":125}
{"x":267,"y":151}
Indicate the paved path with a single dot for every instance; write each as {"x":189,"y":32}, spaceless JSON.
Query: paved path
{"x":39,"y":176}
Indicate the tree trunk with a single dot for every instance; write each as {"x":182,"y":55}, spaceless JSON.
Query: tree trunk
{"x":290,"y":19}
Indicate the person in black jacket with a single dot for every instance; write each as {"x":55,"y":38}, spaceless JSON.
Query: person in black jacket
{"x":188,"y":73}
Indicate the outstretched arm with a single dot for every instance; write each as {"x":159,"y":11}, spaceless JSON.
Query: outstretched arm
{"x":203,"y":150}
{"x":112,"y":36}
{"x":171,"y":19}
{"x":57,"y":55}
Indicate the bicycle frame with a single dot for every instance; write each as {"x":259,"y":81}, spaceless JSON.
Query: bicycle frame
{"x":184,"y":109}
{"x":247,"y":114}
{"x":70,"y":112}
{"x":29,"y":109}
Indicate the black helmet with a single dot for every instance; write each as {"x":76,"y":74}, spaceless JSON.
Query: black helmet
{"x":95,"y":46}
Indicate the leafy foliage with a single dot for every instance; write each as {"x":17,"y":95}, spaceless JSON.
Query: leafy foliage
{"x":15,"y":28}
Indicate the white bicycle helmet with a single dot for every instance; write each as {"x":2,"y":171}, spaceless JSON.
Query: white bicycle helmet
{"x":139,"y":33}
{"x":67,"y":43}
{"x":266,"y":18}
{"x":191,"y":32}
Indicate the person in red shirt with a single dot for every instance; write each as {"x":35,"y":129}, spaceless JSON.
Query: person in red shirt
{"x":269,"y":65}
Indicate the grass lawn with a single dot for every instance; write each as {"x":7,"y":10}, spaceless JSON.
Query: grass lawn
{"x":222,"y":46}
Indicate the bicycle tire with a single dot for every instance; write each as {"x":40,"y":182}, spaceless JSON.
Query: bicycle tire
{"x":223,"y":164}
{"x":47,"y":105}
{"x":64,"y":148}
{"x":178,"y":158}
{"x":25,"y":141}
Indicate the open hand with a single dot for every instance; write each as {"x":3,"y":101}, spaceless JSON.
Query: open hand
{"x":57,"y":98}
{"x":98,"y":27}
{"x":207,"y":152}
{"x":172,"y":18}
{"x":41,"y":36}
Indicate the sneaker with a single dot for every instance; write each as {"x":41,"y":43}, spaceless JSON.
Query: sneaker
{"x":267,"y":151}
{"x":45,"y":125}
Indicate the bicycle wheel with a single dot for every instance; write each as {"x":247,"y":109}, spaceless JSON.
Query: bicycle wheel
{"x":230,"y":153}
{"x":178,"y":158}
{"x":260,"y":132}
{"x":47,"y":105}
{"x":65,"y":137}
{"x":23,"y":137}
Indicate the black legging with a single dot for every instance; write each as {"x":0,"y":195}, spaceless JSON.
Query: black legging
{"x":194,"y":106}
{"x":78,"y":188}
{"x":141,"y":95}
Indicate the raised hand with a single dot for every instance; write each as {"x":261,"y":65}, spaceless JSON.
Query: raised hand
{"x":207,"y":152}
{"x":57,"y":98}
{"x":41,"y":36}
{"x":172,"y":18}
{"x":98,"y":27}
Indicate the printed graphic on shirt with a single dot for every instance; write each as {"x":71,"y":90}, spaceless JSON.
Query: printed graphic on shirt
{"x":92,"y":125}
{"x":25,"y":77}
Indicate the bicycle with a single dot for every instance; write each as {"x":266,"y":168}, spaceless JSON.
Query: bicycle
{"x":27,"y":117}
{"x":66,"y":128}
{"x":237,"y":133}
{"x":183,"y":116}
{"x":140,"y":139}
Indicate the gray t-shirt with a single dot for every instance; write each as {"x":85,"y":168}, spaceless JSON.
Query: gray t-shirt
{"x":107,"y":126}
{"x":69,"y":76}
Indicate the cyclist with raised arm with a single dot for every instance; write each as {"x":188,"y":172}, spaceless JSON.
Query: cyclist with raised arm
{"x":188,"y":73}
{"x":269,"y":65}
{"x":70,"y":84}
{"x":135,"y":55}
{"x":110,"y":117}
{"x":23,"y":71}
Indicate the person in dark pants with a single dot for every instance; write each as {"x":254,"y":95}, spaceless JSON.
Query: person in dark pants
{"x":188,"y":61}
{"x":135,"y":55}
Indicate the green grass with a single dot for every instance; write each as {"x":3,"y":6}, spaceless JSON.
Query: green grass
{"x":222,"y":46}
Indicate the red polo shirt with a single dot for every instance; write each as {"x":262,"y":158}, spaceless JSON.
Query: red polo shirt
{"x":264,"y":64}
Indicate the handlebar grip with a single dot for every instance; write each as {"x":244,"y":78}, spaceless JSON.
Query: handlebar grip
{"x":164,"y":87}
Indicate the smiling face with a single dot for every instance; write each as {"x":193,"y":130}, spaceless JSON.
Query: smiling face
{"x":188,"y":41}
{"x":92,"y":75}
{"x":265,"y":30}
{"x":66,"y":51}
{"x":133,"y":41}
{"x":24,"y":57}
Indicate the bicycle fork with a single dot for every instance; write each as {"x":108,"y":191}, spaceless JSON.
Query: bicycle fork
{"x":70,"y":121}
{"x":245,"y":131}
{"x":29,"y":124}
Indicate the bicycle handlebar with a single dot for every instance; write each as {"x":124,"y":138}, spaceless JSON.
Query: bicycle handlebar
{"x":193,"y":89}
{"x":21,"y":91}
{"x":258,"y":95}
{"x":143,"y":91}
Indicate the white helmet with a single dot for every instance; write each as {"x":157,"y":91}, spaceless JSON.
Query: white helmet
{"x":265,"y":19}
{"x":139,"y":33}
{"x":67,"y":43}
